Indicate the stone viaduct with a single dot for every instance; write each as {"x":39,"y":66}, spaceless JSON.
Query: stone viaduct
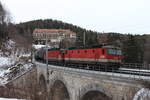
{"x":60,"y":83}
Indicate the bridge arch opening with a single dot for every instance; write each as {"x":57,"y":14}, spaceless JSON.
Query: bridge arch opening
{"x":59,"y":91}
{"x":42,"y":88}
{"x":95,"y":95}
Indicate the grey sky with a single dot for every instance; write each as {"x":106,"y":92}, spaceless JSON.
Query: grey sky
{"x":126,"y":16}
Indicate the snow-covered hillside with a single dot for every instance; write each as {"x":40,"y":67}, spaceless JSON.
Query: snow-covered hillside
{"x":13,"y":62}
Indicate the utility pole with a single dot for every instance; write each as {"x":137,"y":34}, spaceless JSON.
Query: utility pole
{"x":47,"y":58}
{"x":84,"y":39}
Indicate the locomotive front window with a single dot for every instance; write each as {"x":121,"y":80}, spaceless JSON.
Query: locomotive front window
{"x":114,"y":52}
{"x":119,"y":52}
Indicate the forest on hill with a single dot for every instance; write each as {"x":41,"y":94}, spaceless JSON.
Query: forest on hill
{"x":136,"y":48}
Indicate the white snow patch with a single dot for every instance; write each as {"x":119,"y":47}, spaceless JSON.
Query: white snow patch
{"x":26,"y":55}
{"x":129,"y":69}
{"x":28,"y":66}
{"x":143,"y":94}
{"x":6,"y":61}
{"x":10,"y":44}
{"x":10,"y":99}
{"x":39,"y":46}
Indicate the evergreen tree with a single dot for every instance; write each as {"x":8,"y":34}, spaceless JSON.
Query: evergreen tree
{"x":130,"y":50}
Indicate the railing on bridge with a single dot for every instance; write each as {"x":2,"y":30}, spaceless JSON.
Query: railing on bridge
{"x":133,"y":65}
{"x":133,"y":69}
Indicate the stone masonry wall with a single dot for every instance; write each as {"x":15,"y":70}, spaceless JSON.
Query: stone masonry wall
{"x":24,"y":86}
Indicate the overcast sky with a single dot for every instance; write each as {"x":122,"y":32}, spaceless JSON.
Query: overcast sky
{"x":125,"y":16}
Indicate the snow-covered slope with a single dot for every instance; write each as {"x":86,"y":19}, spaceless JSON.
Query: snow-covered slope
{"x":143,"y":94}
{"x":13,"y":62}
{"x":6,"y":61}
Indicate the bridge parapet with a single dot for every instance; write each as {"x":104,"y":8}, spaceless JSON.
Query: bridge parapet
{"x":80,"y":83}
{"x":97,"y":73}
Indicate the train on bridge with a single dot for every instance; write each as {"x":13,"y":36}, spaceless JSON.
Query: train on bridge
{"x":103,"y":57}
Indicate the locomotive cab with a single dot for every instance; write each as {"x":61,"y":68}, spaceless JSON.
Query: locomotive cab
{"x":114,"y":56}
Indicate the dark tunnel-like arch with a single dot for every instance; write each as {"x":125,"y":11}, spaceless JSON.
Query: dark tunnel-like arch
{"x":42,"y":89}
{"x":59,"y":91}
{"x":95,"y":95}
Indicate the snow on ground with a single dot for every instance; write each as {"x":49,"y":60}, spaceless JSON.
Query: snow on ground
{"x":6,"y":61}
{"x":10,"y":99}
{"x":14,"y":64}
{"x":10,"y":44}
{"x":143,"y":94}
{"x":129,"y":69}
{"x":38,"y":46}
{"x":9,"y":73}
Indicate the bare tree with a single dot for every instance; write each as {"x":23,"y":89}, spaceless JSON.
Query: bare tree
{"x":4,"y":21}
{"x":4,"y":15}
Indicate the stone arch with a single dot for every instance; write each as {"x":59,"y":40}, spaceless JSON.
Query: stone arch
{"x":59,"y":91}
{"x":42,"y":88}
{"x":94,"y":92}
{"x":42,"y":81}
{"x":56,"y":77}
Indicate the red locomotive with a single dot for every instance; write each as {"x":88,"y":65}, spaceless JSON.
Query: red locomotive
{"x":104,"y":57}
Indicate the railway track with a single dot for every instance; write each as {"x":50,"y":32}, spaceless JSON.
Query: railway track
{"x":139,"y":72}
{"x":128,"y":71}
